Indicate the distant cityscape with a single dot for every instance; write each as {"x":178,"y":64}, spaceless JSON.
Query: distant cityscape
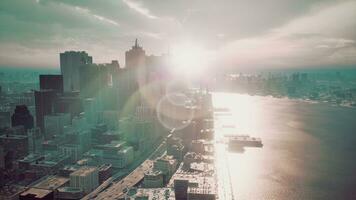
{"x":337,"y":87}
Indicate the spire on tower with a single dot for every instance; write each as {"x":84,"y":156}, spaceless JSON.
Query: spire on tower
{"x":136,"y":44}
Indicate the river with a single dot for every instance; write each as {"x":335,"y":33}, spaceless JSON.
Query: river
{"x":309,"y":148}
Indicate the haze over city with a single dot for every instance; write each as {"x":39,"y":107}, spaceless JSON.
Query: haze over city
{"x":177,"y":99}
{"x":233,"y":34}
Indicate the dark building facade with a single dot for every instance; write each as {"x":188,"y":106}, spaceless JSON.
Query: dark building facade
{"x":68,"y":102}
{"x":52,"y":82}
{"x":44,"y":100}
{"x":9,"y":153}
{"x":22,"y":116}
{"x":70,"y":62}
{"x":5,"y":119}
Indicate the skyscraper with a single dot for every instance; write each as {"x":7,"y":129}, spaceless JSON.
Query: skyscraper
{"x":54,"y":82}
{"x":44,"y":100}
{"x":35,"y":140}
{"x":100,"y":81}
{"x":4,"y":119}
{"x":70,"y":62}
{"x":69,"y":102}
{"x":22,"y":116}
{"x":135,"y":59}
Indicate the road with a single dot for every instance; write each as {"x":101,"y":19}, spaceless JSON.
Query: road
{"x":116,"y":190}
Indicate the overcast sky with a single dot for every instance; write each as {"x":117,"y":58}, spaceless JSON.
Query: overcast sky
{"x":238,"y":33}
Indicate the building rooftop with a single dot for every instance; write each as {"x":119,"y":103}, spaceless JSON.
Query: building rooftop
{"x":71,"y":167}
{"x":167,"y":158}
{"x":38,"y":193}
{"x":201,"y":177}
{"x":13,"y":137}
{"x":151,"y":193}
{"x":52,"y":182}
{"x":51,"y":160}
{"x":125,"y":149}
{"x":31,"y":158}
{"x":104,"y":167}
{"x":113,"y":145}
{"x":84,"y":171}
{"x":69,"y":189}
{"x":153,"y":173}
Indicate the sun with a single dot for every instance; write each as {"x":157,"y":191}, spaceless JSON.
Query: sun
{"x":188,"y":59}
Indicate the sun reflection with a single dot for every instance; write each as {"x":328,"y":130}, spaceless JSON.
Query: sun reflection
{"x":245,"y":116}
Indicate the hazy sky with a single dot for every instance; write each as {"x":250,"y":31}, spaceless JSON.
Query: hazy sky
{"x":239,"y":33}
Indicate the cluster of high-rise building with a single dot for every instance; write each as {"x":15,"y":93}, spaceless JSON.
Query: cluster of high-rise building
{"x":95,"y":128}
{"x":84,"y":124}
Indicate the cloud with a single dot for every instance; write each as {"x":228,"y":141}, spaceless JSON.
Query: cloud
{"x":106,"y":20}
{"x":323,"y":38}
{"x":99,"y":17}
{"x":139,"y":8}
{"x":285,"y":33}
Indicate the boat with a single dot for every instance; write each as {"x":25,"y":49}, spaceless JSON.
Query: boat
{"x":235,"y":141}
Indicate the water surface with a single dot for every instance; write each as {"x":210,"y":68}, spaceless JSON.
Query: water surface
{"x":309,"y":149}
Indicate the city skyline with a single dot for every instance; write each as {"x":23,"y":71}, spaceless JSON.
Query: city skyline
{"x":233,"y":34}
{"x":177,"y":100}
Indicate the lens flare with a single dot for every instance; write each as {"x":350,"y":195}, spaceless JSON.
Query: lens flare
{"x":173,"y":111}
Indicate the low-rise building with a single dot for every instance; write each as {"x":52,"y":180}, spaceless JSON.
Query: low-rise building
{"x":71,"y":150}
{"x":50,"y":165}
{"x":117,"y":155}
{"x":105,"y":172}
{"x":85,"y":178}
{"x":150,"y":193}
{"x":153,"y":179}
{"x":37,"y":194}
{"x":25,"y":163}
{"x":52,"y":183}
{"x":195,"y":180}
{"x":69,"y":193}
{"x":167,"y":165}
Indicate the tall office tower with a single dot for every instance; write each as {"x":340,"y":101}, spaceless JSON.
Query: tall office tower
{"x":90,"y":110}
{"x":44,"y":100}
{"x":54,"y":123}
{"x":158,"y":76}
{"x":110,"y":91}
{"x":144,"y":113}
{"x":22,"y":117}
{"x":5,"y":119}
{"x":97,"y":81}
{"x":70,"y":62}
{"x":53,"y":82}
{"x":69,"y":102}
{"x":135,"y":65}
{"x":35,"y":140}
